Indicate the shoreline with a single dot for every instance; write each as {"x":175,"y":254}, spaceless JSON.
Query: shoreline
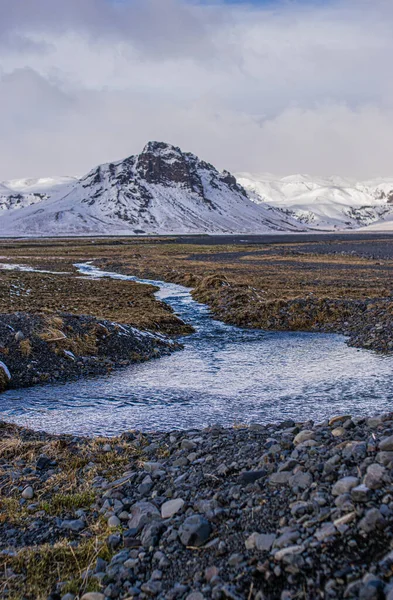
{"x":278,"y":511}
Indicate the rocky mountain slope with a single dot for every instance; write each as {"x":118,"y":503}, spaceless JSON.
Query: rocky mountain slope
{"x":160,"y":191}
{"x":325,"y":203}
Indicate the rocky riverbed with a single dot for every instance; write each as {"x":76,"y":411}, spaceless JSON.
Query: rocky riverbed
{"x":39,"y":348}
{"x":294,"y":510}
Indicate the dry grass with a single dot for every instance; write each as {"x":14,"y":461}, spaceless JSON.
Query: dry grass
{"x":39,"y":569}
{"x":25,"y":347}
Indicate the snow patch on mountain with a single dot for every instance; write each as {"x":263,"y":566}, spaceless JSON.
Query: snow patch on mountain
{"x":330,"y":203}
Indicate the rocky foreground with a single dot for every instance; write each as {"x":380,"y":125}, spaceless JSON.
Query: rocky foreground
{"x":295,"y":510}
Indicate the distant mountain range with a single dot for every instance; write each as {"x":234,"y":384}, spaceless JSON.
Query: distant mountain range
{"x":331,"y":203}
{"x":163,"y":190}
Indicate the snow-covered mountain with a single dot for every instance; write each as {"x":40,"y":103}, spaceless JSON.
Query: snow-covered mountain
{"x":21,"y":193}
{"x":164,"y":191}
{"x":160,"y":191}
{"x":332,"y":203}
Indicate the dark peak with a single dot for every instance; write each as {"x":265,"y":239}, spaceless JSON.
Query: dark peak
{"x":160,"y":148}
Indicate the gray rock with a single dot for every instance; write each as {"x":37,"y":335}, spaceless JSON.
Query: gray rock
{"x":372,"y":588}
{"x":260,"y":541}
{"x":113,"y":521}
{"x":195,"y":531}
{"x":360,"y":493}
{"x":73,"y":525}
{"x":327,"y":530}
{"x":289,"y":551}
{"x":372,"y":520}
{"x":280,"y":478}
{"x":28,"y":493}
{"x":375,"y":476}
{"x":141,"y":514}
{"x":93,"y":596}
{"x":301,"y":480}
{"x":171,"y":508}
{"x":251,"y":476}
{"x":304,"y":436}
{"x":355,"y":450}
{"x":344,"y":485}
{"x":287,"y":539}
{"x":384,"y":458}
{"x":386,"y":444}
{"x":151,"y":534}
{"x":188,"y":445}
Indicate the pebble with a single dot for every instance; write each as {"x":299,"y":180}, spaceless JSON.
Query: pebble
{"x":28,"y":493}
{"x":195,"y":531}
{"x":171,"y":508}
{"x":73,"y":525}
{"x":344,"y":485}
{"x":114,"y":522}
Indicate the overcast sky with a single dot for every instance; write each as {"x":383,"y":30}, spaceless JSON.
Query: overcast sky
{"x":281,"y":87}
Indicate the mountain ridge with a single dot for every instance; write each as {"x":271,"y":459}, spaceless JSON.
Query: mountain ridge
{"x":162,"y":190}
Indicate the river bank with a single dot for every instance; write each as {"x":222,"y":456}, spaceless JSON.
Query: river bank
{"x":293,"y":510}
{"x":38,"y":349}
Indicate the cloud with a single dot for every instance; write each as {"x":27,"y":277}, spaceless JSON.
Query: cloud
{"x":282,"y":89}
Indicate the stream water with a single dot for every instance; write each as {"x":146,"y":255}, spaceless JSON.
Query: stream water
{"x":224,"y":375}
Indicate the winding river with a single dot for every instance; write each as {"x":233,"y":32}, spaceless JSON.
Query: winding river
{"x":225,"y":375}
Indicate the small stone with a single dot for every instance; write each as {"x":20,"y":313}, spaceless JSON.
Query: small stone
{"x":113,"y":522}
{"x":326,"y":531}
{"x":73,"y":525}
{"x":386,"y":443}
{"x":348,"y":518}
{"x":42,"y":463}
{"x":304,"y":436}
{"x":195,"y":596}
{"x":372,"y":520}
{"x":338,"y":431}
{"x":28,"y":493}
{"x":338,"y":419}
{"x":372,"y":588}
{"x":107,"y":448}
{"x":344,"y":485}
{"x":301,"y":480}
{"x":151,"y":534}
{"x":142,"y":513}
{"x":260,"y":541}
{"x":188,"y":445}
{"x":375,"y":476}
{"x":280,"y":478}
{"x":195,"y":531}
{"x":171,"y":508}
{"x":360,"y":493}
{"x":289,"y":551}
{"x":93,"y":596}
{"x":251,"y":476}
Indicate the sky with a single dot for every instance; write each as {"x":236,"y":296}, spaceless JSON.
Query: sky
{"x":275,"y":86}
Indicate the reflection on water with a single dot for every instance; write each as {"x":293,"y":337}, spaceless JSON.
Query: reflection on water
{"x":224,"y":375}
